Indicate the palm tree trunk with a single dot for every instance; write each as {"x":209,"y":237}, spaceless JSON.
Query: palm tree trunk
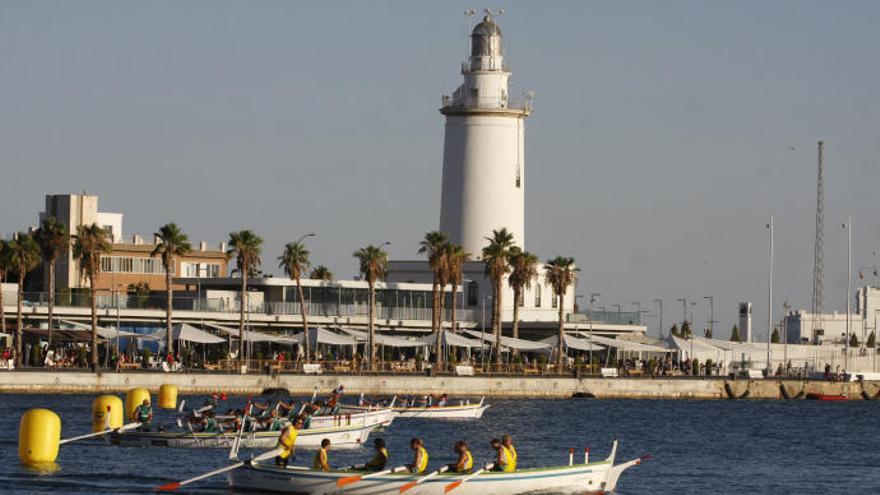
{"x":438,"y":351}
{"x":372,"y":343}
{"x":19,"y":320}
{"x":559,"y":347}
{"x":435,"y":308}
{"x":243,"y":298}
{"x":51,"y":303}
{"x":516,"y":295}
{"x":305,"y":317}
{"x":454,"y":305}
{"x":169,"y":345}
{"x":94,"y":303}
{"x":496,"y":317}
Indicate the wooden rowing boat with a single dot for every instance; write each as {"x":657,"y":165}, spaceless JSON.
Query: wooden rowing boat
{"x":341,"y":437}
{"x":595,"y":477}
{"x":826,"y":397}
{"x":455,"y":412}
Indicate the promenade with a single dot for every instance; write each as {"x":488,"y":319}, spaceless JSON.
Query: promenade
{"x":541,"y":387}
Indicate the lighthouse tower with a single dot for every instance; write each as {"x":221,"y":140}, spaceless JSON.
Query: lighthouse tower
{"x":483,"y":156}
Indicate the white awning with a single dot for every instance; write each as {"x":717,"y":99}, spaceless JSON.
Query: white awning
{"x":324,"y":336}
{"x":253,"y":336}
{"x":188,"y":333}
{"x":386,"y":340}
{"x":510,"y":342}
{"x":626,"y":345}
{"x":573,"y":342}
{"x":103,"y":332}
{"x":452,"y":340}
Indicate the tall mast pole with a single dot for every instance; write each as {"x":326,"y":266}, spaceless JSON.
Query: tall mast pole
{"x":848,"y":227}
{"x":819,"y":249}
{"x":770,"y":297}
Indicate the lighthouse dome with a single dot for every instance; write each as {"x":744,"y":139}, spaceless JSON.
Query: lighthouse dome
{"x":486,"y":38}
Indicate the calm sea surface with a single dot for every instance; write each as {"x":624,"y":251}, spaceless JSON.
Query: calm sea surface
{"x":701,"y":447}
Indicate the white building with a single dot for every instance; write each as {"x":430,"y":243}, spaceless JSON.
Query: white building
{"x":483,"y":151}
{"x":830,"y":328}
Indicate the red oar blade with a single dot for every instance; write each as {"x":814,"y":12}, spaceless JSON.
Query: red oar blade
{"x":170,"y":487}
{"x":348,"y":481}
{"x":408,"y":486}
{"x":452,"y":486}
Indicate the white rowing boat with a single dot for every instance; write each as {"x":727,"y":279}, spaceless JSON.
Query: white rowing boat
{"x":595,"y":477}
{"x":377,"y":418}
{"x":341,"y":437}
{"x":455,"y":412}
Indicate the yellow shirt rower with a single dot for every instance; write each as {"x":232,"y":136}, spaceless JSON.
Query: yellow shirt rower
{"x":377,"y":463}
{"x":504,"y":460}
{"x":465,"y":462}
{"x":420,"y":458}
{"x":287,"y":443}
{"x":321,"y":460}
{"x":507,"y":443}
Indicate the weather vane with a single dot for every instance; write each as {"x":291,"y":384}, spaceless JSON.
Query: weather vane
{"x":487,"y":10}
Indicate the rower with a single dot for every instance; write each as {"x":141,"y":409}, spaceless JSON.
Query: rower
{"x":275,"y":422}
{"x":143,"y":414}
{"x":442,"y":401}
{"x":212,"y":401}
{"x":465,"y":461}
{"x":507,"y":443}
{"x":503,"y":462}
{"x":287,"y":442}
{"x":321,"y":460}
{"x":420,"y":456}
{"x":377,"y":463}
{"x":210,"y":423}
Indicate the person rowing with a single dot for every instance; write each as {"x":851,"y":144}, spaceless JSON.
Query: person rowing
{"x":420,"y":456}
{"x":287,"y":443}
{"x":465,"y":461}
{"x":378,"y":462}
{"x":322,"y":461}
{"x":275,"y":422}
{"x":212,"y":401}
{"x":507,"y":443}
{"x":143,"y":414}
{"x":443,"y":400}
{"x":503,"y":462}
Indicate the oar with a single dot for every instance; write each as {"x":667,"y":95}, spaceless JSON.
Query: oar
{"x":355,"y":479}
{"x":170,"y":487}
{"x":423,"y":479}
{"x":455,"y":484}
{"x":97,"y":434}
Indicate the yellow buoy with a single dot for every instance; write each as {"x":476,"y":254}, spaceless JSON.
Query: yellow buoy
{"x":134,"y":398}
{"x":168,"y":396}
{"x":107,"y":412}
{"x":39,"y":434}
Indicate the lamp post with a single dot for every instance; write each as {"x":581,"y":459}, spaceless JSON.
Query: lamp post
{"x":874,"y":349}
{"x":711,"y":300}
{"x":684,"y":309}
{"x":785,"y":309}
{"x":848,"y":227}
{"x":618,"y":312}
{"x":593,"y":298}
{"x":770,"y":296}
{"x":660,"y":303}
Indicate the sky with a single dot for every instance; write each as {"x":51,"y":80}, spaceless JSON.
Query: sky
{"x":664,"y":133}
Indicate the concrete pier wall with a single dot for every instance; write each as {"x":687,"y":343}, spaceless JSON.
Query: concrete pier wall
{"x":458,"y":386}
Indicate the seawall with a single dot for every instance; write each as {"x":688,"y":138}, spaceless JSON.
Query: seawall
{"x":459,"y":386}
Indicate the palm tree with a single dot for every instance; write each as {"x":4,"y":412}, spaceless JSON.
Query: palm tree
{"x":561,"y":274}
{"x":321,"y":272}
{"x":54,"y":241}
{"x":456,"y":257}
{"x":171,"y":243}
{"x":90,"y":243}
{"x":496,"y":255}
{"x":5,"y":268}
{"x":523,"y":269}
{"x":246,"y":247}
{"x":24,"y":253}
{"x":432,"y":247}
{"x":294,"y":260}
{"x":372,"y":264}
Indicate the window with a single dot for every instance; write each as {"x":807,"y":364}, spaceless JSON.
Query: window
{"x":200,"y":270}
{"x":473,"y":293}
{"x":538,"y":294}
{"x":129,"y":264}
{"x":518,"y":180}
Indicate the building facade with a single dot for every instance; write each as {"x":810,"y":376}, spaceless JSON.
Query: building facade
{"x":806,"y":328}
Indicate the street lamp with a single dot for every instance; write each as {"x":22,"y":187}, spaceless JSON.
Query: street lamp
{"x":310,"y":234}
{"x":711,"y":315}
{"x":660,"y":302}
{"x":684,"y":309}
{"x":770,"y":296}
{"x":848,"y":226}
{"x":618,"y":312}
{"x":593,"y":298}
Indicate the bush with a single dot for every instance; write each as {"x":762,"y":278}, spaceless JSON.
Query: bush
{"x":695,"y":366}
{"x":145,"y":357}
{"x":709,"y":364}
{"x":82,"y":356}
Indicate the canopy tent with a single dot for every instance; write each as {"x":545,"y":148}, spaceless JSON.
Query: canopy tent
{"x":573,"y":342}
{"x":510,"y":342}
{"x":253,"y":336}
{"x":187,"y":333}
{"x":450,"y":339}
{"x":324,"y":336}
{"x":626,"y":345}
{"x":104,"y":333}
{"x":386,"y":340}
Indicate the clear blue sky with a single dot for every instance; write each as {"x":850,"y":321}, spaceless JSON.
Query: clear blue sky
{"x":661,"y":137}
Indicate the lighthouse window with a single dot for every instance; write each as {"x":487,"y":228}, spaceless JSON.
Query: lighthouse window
{"x":518,"y":180}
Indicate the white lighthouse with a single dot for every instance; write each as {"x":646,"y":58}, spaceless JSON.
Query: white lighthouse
{"x":483,"y":154}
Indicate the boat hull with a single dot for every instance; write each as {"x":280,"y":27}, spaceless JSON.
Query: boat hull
{"x":344,"y":437}
{"x":379,"y":418}
{"x":595,"y":477}
{"x":463,"y":412}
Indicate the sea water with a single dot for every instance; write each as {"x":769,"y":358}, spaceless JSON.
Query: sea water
{"x":748,"y":447}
